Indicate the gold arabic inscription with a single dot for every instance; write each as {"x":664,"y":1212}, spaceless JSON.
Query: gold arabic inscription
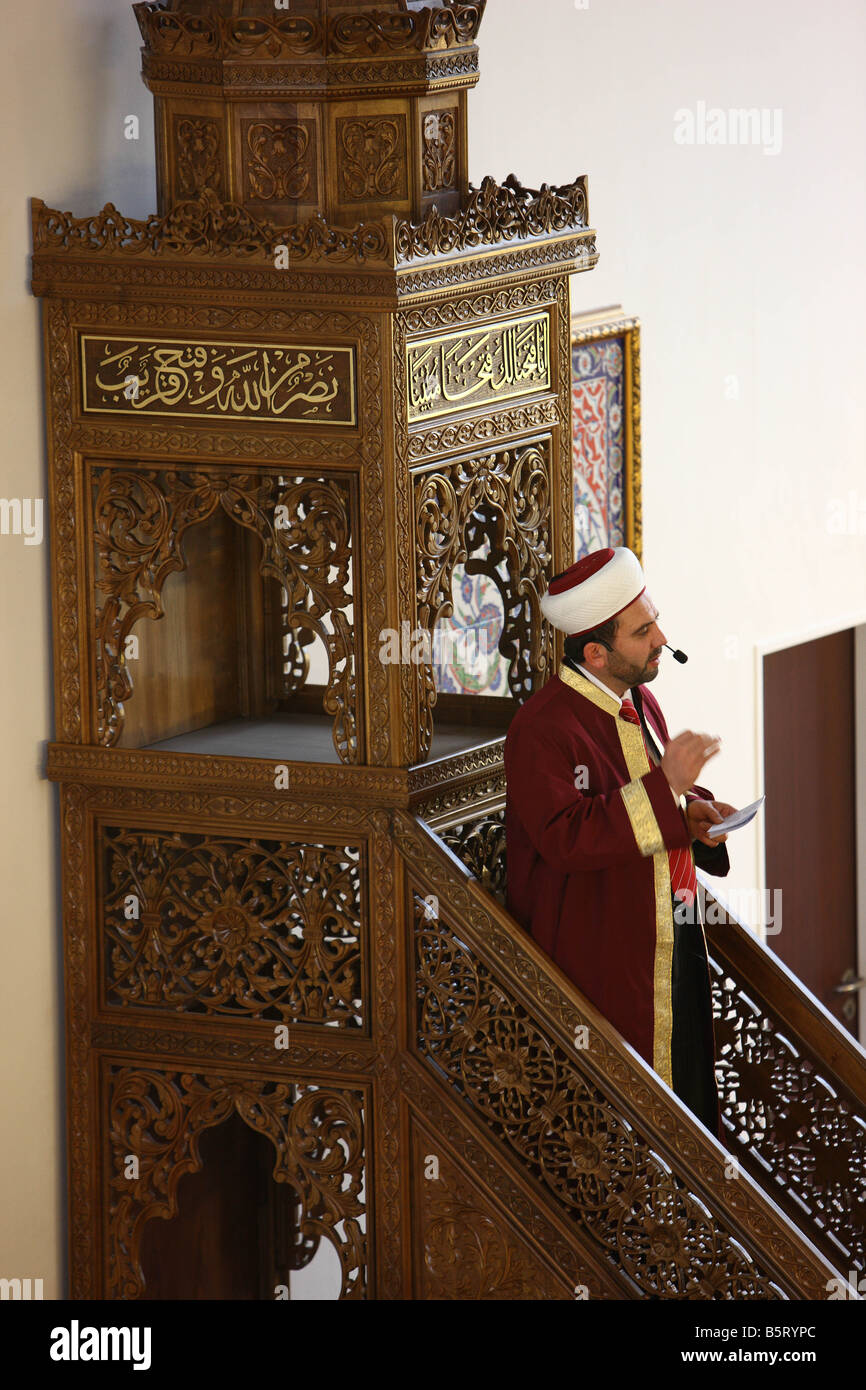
{"x":301,"y":384}
{"x":478,"y":366}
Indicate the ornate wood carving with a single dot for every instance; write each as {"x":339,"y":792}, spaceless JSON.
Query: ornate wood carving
{"x":466,"y":312}
{"x":479,"y":843}
{"x":784,"y":1111}
{"x":538,"y":1221}
{"x":541,"y":1104}
{"x":205,"y":226}
{"x":214,"y":1042}
{"x":560,"y":1166}
{"x":66,"y":531}
{"x":331,"y":793}
{"x":199,"y":144}
{"x":496,"y":212}
{"x":439,"y":150}
{"x":139,"y":522}
{"x":69,"y":661}
{"x":505,"y":498}
{"x":485,"y":430}
{"x":783,"y":1114}
{"x":216,"y":926}
{"x":485,"y":958}
{"x":147,"y":436}
{"x":467,"y":1248}
{"x":276,"y":36}
{"x":470,"y":309}
{"x":280,"y":161}
{"x":318,"y":1134}
{"x":371,"y":162}
{"x":390,"y":1016}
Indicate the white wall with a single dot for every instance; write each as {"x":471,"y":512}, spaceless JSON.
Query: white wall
{"x":738,"y":263}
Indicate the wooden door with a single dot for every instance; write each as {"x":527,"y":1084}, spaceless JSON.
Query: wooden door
{"x":811,"y":814}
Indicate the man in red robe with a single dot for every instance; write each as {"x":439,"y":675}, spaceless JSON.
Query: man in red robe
{"x":602,"y":816}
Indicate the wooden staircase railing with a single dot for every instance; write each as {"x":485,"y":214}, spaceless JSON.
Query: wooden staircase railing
{"x":621,"y":1191}
{"x":792,"y":1082}
{"x":792,"y":1085}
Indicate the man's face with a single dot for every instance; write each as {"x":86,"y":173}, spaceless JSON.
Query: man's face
{"x":637,"y":647}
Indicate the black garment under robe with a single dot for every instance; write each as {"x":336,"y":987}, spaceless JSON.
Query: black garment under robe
{"x":692,"y":1041}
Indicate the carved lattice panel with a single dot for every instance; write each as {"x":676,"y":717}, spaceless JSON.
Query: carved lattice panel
{"x":304,"y":525}
{"x":157,"y":1118}
{"x":479,"y":842}
{"x":783,"y":1114}
{"x":499,"y":503}
{"x":570,"y":1137}
{"x":238,"y":928}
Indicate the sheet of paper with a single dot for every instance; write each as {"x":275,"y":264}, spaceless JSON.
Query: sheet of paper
{"x":737,"y":820}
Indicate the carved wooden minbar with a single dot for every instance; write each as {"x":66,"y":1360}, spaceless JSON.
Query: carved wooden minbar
{"x":282,"y":410}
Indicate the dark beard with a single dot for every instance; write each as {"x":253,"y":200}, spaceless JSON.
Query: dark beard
{"x":630,"y":674}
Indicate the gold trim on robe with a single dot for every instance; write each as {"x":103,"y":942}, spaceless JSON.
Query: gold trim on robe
{"x":643,"y":821}
{"x":650,"y":841}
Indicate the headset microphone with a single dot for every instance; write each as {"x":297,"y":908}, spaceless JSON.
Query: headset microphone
{"x":678,"y":656}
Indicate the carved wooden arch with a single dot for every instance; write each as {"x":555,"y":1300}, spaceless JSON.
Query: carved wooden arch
{"x":503,"y":497}
{"x":158,"y":1118}
{"x":140,"y":517}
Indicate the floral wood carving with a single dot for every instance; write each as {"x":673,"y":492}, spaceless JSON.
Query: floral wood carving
{"x":318,"y":1135}
{"x":71,"y":656}
{"x":252,"y":928}
{"x":496,"y":212}
{"x":174,"y":34}
{"x":486,"y":429}
{"x":68,"y":633}
{"x":556,"y":1238}
{"x":371,"y":158}
{"x":469,"y":309}
{"x":139,"y":521}
{"x":204,"y":226}
{"x":505,"y":498}
{"x":439,"y":150}
{"x":206,"y":1044}
{"x":490,"y":935}
{"x":280,"y":161}
{"x":541,"y":1104}
{"x":479,"y":843}
{"x":197,"y":143}
{"x":468,"y":1249}
{"x":782,"y":1110}
{"x":784,"y":1115}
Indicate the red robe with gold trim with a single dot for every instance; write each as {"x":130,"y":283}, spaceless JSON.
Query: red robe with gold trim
{"x":588,"y":869}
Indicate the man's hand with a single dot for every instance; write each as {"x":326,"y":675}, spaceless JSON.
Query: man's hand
{"x":702,"y":814}
{"x":684,"y":757}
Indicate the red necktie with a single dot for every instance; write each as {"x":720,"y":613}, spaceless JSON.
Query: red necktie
{"x":684,"y":880}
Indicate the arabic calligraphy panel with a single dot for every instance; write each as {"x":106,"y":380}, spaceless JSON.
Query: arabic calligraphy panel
{"x":291,"y":383}
{"x":478,"y":367}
